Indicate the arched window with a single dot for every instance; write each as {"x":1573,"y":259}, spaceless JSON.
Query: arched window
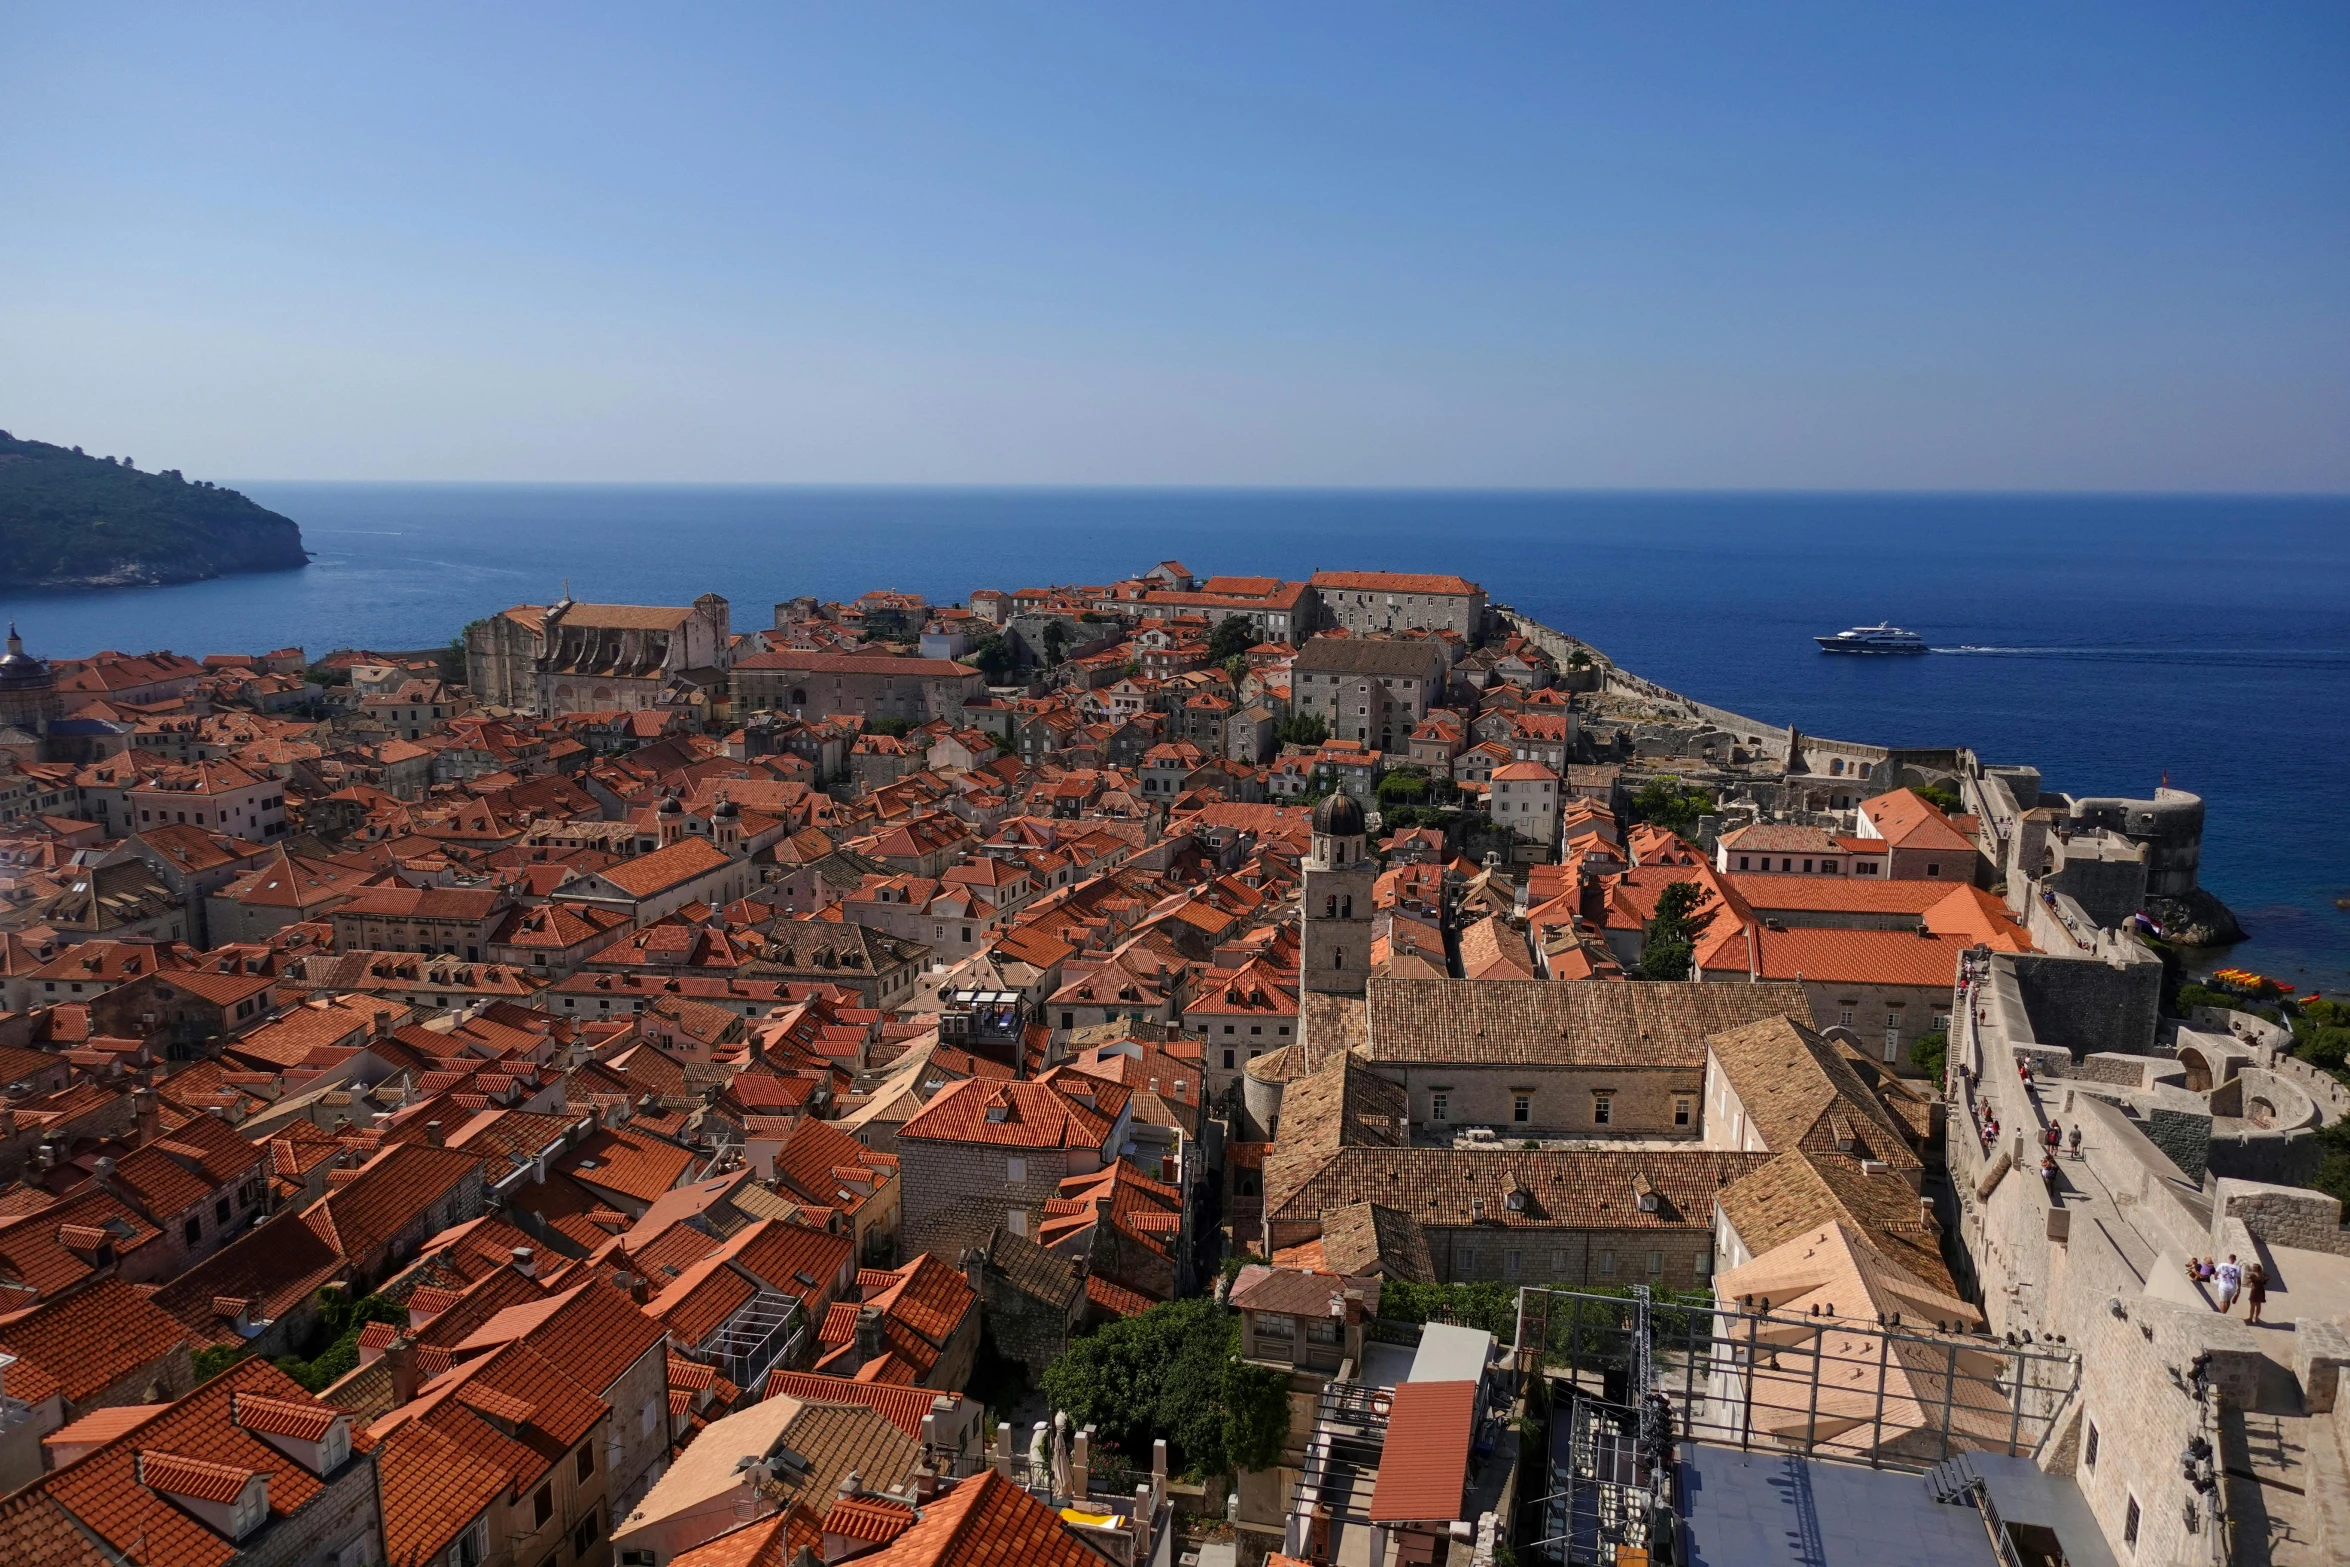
{"x":1348,"y":909}
{"x":1330,"y":907}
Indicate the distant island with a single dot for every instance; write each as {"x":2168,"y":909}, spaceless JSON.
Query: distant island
{"x":68,"y":521}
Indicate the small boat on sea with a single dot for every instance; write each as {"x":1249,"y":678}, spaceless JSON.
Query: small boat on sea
{"x":1881,"y":638}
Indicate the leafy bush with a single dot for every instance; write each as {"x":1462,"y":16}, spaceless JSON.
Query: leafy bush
{"x":1670,"y":939}
{"x":1930,"y":1052}
{"x":1174,"y":1372}
{"x":1403,"y":786}
{"x":334,"y":1342}
{"x":889,"y":726}
{"x":1303,"y":729}
{"x":1232,"y":637}
{"x":1667,"y":804}
{"x":1942,"y":798}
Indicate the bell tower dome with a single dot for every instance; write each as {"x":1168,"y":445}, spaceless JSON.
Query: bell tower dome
{"x":1338,"y":882}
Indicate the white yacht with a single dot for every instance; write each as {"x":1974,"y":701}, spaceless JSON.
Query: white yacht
{"x":1873,"y":639}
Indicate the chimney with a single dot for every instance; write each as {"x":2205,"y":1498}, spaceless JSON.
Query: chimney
{"x":1081,"y":1464}
{"x":868,"y":1335}
{"x":400,"y":1362}
{"x":1003,"y":1450}
{"x":148,"y":1111}
{"x":432,"y":1133}
{"x":851,"y":1485}
{"x":525,"y":1261}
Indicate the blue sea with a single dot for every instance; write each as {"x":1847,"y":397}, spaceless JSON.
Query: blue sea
{"x":2112,"y":641}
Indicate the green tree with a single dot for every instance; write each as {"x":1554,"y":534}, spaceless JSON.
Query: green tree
{"x":1667,"y":804}
{"x":892,"y":726}
{"x":1942,"y":798}
{"x":1166,"y":1373}
{"x":1930,"y":1052}
{"x":1056,"y":641}
{"x":1306,"y":729}
{"x":1232,"y":637}
{"x":1670,"y":937}
{"x":1403,"y":786}
{"x":333,"y":1344}
{"x":995,"y":659}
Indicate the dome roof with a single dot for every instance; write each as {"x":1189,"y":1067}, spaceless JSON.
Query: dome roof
{"x":670,"y":806}
{"x":1339,"y":817}
{"x":19,"y":670}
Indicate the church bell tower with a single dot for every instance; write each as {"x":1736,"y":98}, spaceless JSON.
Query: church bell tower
{"x":1339,"y":876}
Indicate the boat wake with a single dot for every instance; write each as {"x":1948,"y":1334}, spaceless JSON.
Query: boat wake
{"x":2238,"y":658}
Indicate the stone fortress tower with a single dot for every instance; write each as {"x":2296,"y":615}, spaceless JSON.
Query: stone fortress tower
{"x":1339,"y":876}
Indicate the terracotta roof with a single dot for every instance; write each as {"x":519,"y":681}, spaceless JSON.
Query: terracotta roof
{"x":82,"y":1344}
{"x":902,"y":1407}
{"x":1365,"y":1238}
{"x":104,"y":1490}
{"x":1394,"y":582}
{"x":985,"y":1521}
{"x":1010,"y":1115}
{"x":1424,"y":1466}
{"x":1441,"y":1021}
{"x":1906,"y":820}
{"x":665,"y":868}
{"x":1799,"y":1192}
{"x":1589,"y":1189}
{"x":1831,"y":957}
{"x":196,"y":1477}
{"x":1835,"y":894}
{"x":1800,"y":1092}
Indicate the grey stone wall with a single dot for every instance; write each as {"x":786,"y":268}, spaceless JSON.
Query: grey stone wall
{"x":2089,"y":1007}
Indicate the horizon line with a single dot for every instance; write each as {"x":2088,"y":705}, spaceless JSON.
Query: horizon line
{"x":1032,"y":487}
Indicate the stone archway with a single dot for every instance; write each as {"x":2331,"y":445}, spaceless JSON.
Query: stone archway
{"x":2198,"y":1070}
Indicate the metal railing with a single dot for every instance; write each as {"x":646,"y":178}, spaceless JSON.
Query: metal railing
{"x":1887,"y":1394}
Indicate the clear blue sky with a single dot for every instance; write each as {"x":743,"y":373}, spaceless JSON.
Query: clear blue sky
{"x":2069,"y":246}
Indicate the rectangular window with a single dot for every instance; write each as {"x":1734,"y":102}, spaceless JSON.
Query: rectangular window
{"x":1016,"y":1220}
{"x":1015,"y":1171}
{"x":1933,"y":869}
{"x":1656,"y":1264}
{"x":1844,"y":1014}
{"x":1683,"y":1109}
{"x":2130,"y":1525}
{"x":1607,"y":1264}
{"x":1521,"y":1108}
{"x":583,"y":1538}
{"x":1068,"y":1020}
{"x":542,"y":1505}
{"x":1893,"y":1040}
{"x":1468,"y":1267}
{"x":1509,"y":1264}
{"x":1227,"y":1060}
{"x":1603,"y":1110}
{"x":2089,"y":1448}
{"x":1439,"y":1108}
{"x":585,"y":1465}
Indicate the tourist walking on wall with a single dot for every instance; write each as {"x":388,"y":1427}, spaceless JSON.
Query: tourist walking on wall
{"x":2231,"y":1279}
{"x":2075,"y":1140}
{"x":2255,"y":1289}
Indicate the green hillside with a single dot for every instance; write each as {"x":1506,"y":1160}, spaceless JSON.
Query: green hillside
{"x":72,"y":521}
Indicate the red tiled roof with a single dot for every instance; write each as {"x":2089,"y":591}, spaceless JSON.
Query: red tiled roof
{"x":1424,"y":1467}
{"x":197,"y":1477}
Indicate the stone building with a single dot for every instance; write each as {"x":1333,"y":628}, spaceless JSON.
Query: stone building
{"x":1365,"y":601}
{"x":1554,"y":1061}
{"x":1368,"y":689}
{"x":1339,"y":881}
{"x":985,"y":1153}
{"x":570,"y":657}
{"x":870,"y":685}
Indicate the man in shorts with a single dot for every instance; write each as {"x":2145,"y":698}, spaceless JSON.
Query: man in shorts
{"x":2231,"y":1279}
